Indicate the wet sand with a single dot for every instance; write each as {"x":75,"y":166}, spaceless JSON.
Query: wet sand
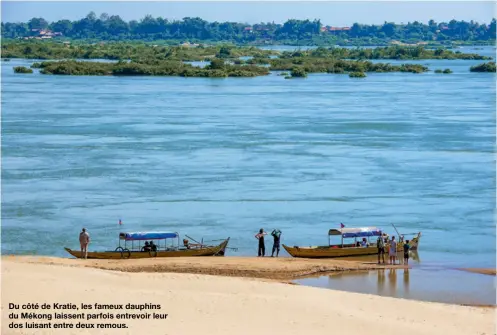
{"x":281,"y":268}
{"x":197,"y":303}
{"x":484,"y":271}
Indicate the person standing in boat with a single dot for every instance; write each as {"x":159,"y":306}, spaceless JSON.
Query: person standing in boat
{"x":393,"y":251}
{"x":276,"y":234}
{"x":262,"y":247}
{"x":84,"y":240}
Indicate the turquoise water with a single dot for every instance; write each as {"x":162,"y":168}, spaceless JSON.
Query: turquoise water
{"x":214,"y":158}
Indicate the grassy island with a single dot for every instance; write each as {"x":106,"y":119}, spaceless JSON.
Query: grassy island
{"x":446,"y":71}
{"x":485,"y":67}
{"x":226,"y":60}
{"x":217,"y":68}
{"x":357,"y":75}
{"x":22,"y":69}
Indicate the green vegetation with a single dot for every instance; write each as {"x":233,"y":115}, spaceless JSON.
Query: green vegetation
{"x":357,"y":75}
{"x":22,"y":69}
{"x":298,"y":72}
{"x":160,"y":68}
{"x":145,"y":52}
{"x":154,"y":60}
{"x":301,"y":32}
{"x":392,"y":52}
{"x":485,"y":67}
{"x":122,"y":50}
{"x":331,"y":65}
{"x":446,"y":71}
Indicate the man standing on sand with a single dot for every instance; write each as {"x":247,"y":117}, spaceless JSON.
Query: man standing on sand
{"x":262,"y":247}
{"x":381,"y":248}
{"x":393,"y":250}
{"x":84,"y":240}
{"x":406,"y":252}
{"x":276,"y":234}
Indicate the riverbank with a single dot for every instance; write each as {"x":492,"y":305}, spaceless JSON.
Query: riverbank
{"x":219,"y":305}
{"x":281,"y":268}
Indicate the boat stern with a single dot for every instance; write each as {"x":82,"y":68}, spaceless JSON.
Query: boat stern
{"x":414,"y":243}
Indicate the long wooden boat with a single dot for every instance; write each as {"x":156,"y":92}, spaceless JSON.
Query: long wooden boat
{"x":123,"y":252}
{"x":350,"y":249}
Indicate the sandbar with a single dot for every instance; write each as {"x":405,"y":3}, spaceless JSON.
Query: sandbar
{"x":207,"y":304}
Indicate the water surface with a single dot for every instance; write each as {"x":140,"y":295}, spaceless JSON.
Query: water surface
{"x":224,"y":157}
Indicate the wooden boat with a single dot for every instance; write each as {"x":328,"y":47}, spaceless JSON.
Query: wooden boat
{"x":349,"y":249}
{"x":136,"y":250}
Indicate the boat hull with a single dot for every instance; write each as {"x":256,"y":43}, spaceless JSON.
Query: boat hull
{"x":335,"y":252}
{"x":126,"y":254}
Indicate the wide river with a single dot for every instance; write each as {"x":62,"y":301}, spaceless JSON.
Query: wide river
{"x":212,"y":158}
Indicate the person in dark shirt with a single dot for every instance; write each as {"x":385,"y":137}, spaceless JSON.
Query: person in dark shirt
{"x":406,"y":252}
{"x":146,"y":247}
{"x":380,"y":244}
{"x":153,"y":247}
{"x":276,"y":234}
{"x":262,"y":247}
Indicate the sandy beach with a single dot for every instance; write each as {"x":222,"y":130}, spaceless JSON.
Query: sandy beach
{"x":282,"y":268}
{"x":200,"y":303}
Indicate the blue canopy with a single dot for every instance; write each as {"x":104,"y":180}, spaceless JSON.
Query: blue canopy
{"x":356,"y":232}
{"x":147,"y":236}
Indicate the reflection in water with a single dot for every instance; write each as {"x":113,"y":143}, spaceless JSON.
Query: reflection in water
{"x":431,"y":284}
{"x":392,"y":281}
{"x":406,"y":282}
{"x":413,"y":258}
{"x":381,"y":281}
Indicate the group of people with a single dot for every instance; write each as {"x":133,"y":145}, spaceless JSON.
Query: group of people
{"x":149,"y":246}
{"x":276,"y":234}
{"x":384,"y":244}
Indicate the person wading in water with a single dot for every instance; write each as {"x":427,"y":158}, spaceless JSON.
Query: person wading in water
{"x":262,"y":248}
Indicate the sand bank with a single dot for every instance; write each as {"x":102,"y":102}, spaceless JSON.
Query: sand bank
{"x":220,"y":305}
{"x":483,"y":271}
{"x":282,"y":268}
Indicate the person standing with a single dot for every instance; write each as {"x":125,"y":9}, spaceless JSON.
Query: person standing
{"x":84,"y":240}
{"x":276,"y":242}
{"x":380,"y":244}
{"x":262,"y":247}
{"x":406,"y":252}
{"x":393,"y":250}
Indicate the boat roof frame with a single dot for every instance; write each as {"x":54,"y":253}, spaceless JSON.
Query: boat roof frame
{"x":145,"y":236}
{"x":355,"y":232}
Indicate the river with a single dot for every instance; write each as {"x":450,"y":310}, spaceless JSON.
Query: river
{"x":214,"y":158}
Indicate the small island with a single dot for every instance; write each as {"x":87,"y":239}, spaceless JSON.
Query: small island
{"x":22,"y":69}
{"x":485,"y":67}
{"x":446,"y":71}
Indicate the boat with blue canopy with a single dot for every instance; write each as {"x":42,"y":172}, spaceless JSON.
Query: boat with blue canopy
{"x":366,"y":246}
{"x":141,"y":245}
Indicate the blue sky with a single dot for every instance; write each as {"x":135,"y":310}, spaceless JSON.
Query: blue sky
{"x":332,"y":13}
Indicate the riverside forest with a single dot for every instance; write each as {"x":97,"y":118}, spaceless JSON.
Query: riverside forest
{"x":220,"y":60}
{"x":294,"y":32}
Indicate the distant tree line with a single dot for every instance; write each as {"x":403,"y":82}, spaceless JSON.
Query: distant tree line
{"x":112,"y":27}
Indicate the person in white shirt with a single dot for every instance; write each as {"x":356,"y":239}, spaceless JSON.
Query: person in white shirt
{"x":393,"y":250}
{"x":84,"y":240}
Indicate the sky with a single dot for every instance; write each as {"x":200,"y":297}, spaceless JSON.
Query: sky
{"x":329,"y":12}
